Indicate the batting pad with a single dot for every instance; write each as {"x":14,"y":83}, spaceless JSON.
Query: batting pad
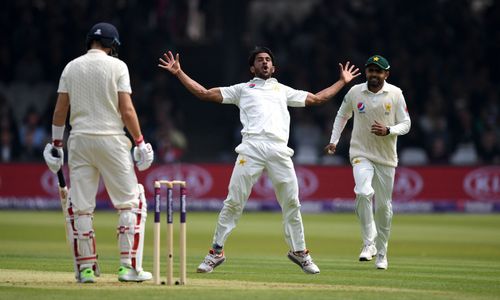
{"x":131,"y":225}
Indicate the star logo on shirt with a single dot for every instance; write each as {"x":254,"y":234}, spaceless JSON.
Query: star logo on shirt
{"x":388,"y":107}
{"x":242,"y":161}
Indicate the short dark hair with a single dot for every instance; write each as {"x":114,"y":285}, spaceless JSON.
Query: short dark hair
{"x":257,"y":50}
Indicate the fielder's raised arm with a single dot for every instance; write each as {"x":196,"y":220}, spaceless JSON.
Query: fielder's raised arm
{"x":347,"y":73}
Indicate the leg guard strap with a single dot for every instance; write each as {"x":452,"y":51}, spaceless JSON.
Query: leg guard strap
{"x":131,"y":232}
{"x":85,"y":243}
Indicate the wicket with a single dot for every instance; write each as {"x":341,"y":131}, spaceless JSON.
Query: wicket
{"x":170,"y":232}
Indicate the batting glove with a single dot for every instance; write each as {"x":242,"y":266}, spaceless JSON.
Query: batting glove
{"x":143,"y":155}
{"x":54,"y":163}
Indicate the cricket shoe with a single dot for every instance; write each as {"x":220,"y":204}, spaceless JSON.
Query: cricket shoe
{"x":367,"y":253}
{"x":211,"y":261}
{"x":87,"y":276}
{"x":129,"y":274}
{"x":381,"y":262}
{"x":304,"y":260}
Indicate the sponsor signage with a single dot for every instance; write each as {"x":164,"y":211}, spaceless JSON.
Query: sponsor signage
{"x":320,"y":187}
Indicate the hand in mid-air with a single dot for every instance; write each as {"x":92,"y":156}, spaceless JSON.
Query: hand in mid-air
{"x":379,"y":129}
{"x":348,"y":73}
{"x":330,"y":149}
{"x":169,"y":63}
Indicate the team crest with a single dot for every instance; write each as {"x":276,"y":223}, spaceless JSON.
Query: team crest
{"x":387,"y":107}
{"x":251,"y":85}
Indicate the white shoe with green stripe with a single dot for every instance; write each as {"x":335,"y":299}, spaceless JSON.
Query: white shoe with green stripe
{"x":87,"y":276}
{"x":126,"y":274}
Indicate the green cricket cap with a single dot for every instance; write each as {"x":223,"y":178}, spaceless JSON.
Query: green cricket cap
{"x":379,"y":61}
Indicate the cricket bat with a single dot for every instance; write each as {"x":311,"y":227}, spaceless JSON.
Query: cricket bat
{"x":68,"y":215}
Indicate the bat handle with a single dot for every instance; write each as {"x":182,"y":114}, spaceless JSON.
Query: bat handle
{"x":54,"y":152}
{"x":60,"y":174}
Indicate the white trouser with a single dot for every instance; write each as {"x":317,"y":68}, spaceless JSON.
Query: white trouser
{"x":254,"y":157}
{"x":374,"y":179}
{"x":89,"y":157}
{"x":92,"y":156}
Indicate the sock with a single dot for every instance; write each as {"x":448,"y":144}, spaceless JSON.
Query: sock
{"x":217,"y":249}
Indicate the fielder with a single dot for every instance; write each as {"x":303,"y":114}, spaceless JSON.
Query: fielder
{"x":264,"y":115}
{"x":95,"y":87}
{"x":380,"y":116}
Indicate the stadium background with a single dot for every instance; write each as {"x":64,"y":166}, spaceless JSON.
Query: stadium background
{"x":443,"y":55}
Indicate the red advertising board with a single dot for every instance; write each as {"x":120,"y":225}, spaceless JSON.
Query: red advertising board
{"x":321,"y":187}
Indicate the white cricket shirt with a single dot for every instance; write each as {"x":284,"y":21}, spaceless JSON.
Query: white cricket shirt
{"x":93,"y":81}
{"x":263,"y":107}
{"x":388,"y":107}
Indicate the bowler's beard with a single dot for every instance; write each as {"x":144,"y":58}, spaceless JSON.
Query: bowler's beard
{"x":375,"y":83}
{"x":264,"y":73}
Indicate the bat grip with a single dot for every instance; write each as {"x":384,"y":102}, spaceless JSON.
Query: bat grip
{"x":60,"y":174}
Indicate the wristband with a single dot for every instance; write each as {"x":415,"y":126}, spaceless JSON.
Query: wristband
{"x":139,"y":140}
{"x":57,"y":143}
{"x":57,"y":132}
{"x":57,"y":135}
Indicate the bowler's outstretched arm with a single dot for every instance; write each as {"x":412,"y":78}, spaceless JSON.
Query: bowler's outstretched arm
{"x":173,"y":65}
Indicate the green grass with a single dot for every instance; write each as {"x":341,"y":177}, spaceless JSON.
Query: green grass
{"x":439,"y":256}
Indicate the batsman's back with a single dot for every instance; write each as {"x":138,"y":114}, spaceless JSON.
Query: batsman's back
{"x":93,"y":81}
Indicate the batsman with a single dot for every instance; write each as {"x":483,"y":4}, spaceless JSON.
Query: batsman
{"x":95,"y":89}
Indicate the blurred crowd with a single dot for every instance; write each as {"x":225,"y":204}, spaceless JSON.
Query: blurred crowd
{"x":443,"y":55}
